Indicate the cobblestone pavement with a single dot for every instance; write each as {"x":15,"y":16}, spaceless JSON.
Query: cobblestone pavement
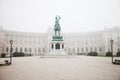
{"x":71,"y":68}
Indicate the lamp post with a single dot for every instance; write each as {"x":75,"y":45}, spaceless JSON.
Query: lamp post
{"x":86,"y":48}
{"x":112,"y":41}
{"x":11,"y":42}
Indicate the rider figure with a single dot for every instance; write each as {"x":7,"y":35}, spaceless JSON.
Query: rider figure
{"x":57,"y":26}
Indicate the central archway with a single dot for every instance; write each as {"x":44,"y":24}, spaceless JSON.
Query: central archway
{"x":57,"y":46}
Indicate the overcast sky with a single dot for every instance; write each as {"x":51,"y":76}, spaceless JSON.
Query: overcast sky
{"x":76,"y":15}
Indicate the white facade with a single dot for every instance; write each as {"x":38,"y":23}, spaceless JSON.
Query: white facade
{"x":39,"y":43}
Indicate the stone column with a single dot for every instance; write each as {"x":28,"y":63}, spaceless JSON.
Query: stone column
{"x":60,"y":46}
{"x":54,"y":46}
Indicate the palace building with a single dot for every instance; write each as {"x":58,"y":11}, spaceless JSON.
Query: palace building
{"x":74,"y":43}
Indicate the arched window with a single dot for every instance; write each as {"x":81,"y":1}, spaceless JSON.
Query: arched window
{"x":16,"y":49}
{"x":25,"y":49}
{"x":100,"y":49}
{"x":91,"y":49}
{"x":78,"y":50}
{"x":43,"y":49}
{"x":39,"y":50}
{"x":95,"y":49}
{"x":86,"y":49}
{"x":21,"y":49}
{"x":73,"y":49}
{"x":30,"y":50}
{"x":82,"y":50}
{"x":69,"y":50}
{"x":108,"y":49}
{"x":7,"y":49}
{"x":2,"y":49}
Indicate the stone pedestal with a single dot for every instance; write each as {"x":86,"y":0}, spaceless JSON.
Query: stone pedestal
{"x":57,"y":46}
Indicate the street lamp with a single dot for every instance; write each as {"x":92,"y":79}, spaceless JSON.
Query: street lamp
{"x":112,"y":41}
{"x":11,"y":42}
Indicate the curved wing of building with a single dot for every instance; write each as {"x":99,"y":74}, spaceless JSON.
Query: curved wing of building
{"x":82,"y":43}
